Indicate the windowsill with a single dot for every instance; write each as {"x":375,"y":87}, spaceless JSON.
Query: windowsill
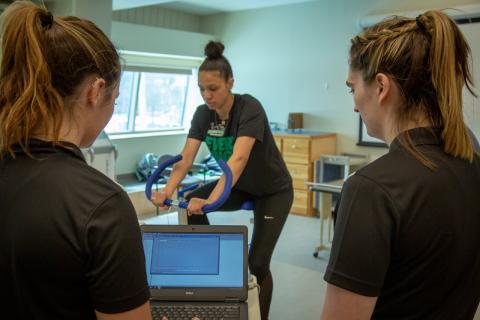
{"x":122,"y":136}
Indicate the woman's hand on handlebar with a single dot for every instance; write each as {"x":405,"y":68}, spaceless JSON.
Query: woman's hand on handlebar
{"x":158,"y":198}
{"x":195,"y":206}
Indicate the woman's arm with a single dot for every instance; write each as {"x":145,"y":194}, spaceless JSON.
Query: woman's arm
{"x":139,"y":313}
{"x":347,"y":305}
{"x":237,"y":162}
{"x":180,"y":170}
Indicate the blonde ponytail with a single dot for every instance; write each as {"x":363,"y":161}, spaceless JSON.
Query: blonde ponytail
{"x":428,"y":58}
{"x":27,"y":98}
{"x":44,"y":59}
{"x":449,"y":54}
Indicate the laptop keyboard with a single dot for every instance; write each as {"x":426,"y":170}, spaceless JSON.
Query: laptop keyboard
{"x":189,"y":312}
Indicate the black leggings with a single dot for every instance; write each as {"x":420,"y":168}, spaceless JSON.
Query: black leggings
{"x":270,"y":215}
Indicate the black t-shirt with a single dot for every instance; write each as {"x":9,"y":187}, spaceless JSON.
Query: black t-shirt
{"x":410,"y":235}
{"x":265,"y":172}
{"x":69,"y":238}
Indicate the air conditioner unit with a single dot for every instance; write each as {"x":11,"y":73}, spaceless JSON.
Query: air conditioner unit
{"x":467,"y":13}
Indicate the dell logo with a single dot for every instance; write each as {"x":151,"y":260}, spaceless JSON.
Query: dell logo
{"x":189,"y":293}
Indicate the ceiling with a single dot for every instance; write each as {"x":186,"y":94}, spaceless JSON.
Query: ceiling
{"x":203,"y":7}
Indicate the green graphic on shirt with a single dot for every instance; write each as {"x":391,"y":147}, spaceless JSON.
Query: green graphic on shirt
{"x":221,"y":148}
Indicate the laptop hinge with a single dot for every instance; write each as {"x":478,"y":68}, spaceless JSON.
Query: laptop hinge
{"x":231,"y":300}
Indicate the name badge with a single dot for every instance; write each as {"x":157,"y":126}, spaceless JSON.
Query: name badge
{"x":215,"y":133}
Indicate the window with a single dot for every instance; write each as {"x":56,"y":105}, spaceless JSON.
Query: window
{"x":154,"y":97}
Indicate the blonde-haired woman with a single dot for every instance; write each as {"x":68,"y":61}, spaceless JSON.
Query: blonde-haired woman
{"x":406,"y":243}
{"x":70,"y":245}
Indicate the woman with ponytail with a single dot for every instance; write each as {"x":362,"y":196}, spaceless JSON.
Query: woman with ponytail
{"x":70,"y":246}
{"x":235,"y":129}
{"x":407,"y":240}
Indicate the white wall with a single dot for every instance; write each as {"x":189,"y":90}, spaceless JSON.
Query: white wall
{"x":391,"y":6}
{"x":100,"y":12}
{"x":294,"y":59}
{"x":159,"y":17}
{"x":136,"y":37}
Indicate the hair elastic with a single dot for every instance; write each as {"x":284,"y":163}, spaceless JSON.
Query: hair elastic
{"x":47,"y":22}
{"x":420,"y":24}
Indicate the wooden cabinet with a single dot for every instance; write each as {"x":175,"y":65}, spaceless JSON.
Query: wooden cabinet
{"x":300,"y":150}
{"x":143,"y":206}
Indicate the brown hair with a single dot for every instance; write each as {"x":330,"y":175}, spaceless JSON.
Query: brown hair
{"x":216,"y":61}
{"x":44,"y":59}
{"x":428,"y":58}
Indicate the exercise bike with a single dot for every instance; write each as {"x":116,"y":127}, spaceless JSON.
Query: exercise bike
{"x":180,"y":203}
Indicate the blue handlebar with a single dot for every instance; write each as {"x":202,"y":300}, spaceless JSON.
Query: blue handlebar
{"x":184,"y":204}
{"x":181,"y":193}
{"x":156,"y":174}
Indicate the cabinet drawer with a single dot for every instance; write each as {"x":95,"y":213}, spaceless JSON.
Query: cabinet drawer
{"x":300,"y":173}
{"x":300,"y":198}
{"x":278,"y":142}
{"x":142,"y":205}
{"x":302,"y":202}
{"x":296,"y":150}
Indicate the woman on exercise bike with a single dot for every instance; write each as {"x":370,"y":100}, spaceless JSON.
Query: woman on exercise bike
{"x":235,"y":129}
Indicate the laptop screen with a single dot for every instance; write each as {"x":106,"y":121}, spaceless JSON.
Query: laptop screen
{"x":194,"y":260}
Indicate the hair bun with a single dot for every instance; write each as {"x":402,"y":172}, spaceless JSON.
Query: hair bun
{"x":214,"y":50}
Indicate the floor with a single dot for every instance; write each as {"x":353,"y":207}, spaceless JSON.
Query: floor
{"x":299,"y":287}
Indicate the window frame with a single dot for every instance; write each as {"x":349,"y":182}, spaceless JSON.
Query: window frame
{"x":160,"y":63}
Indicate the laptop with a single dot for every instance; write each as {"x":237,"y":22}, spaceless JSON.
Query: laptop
{"x":196,"y":272}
